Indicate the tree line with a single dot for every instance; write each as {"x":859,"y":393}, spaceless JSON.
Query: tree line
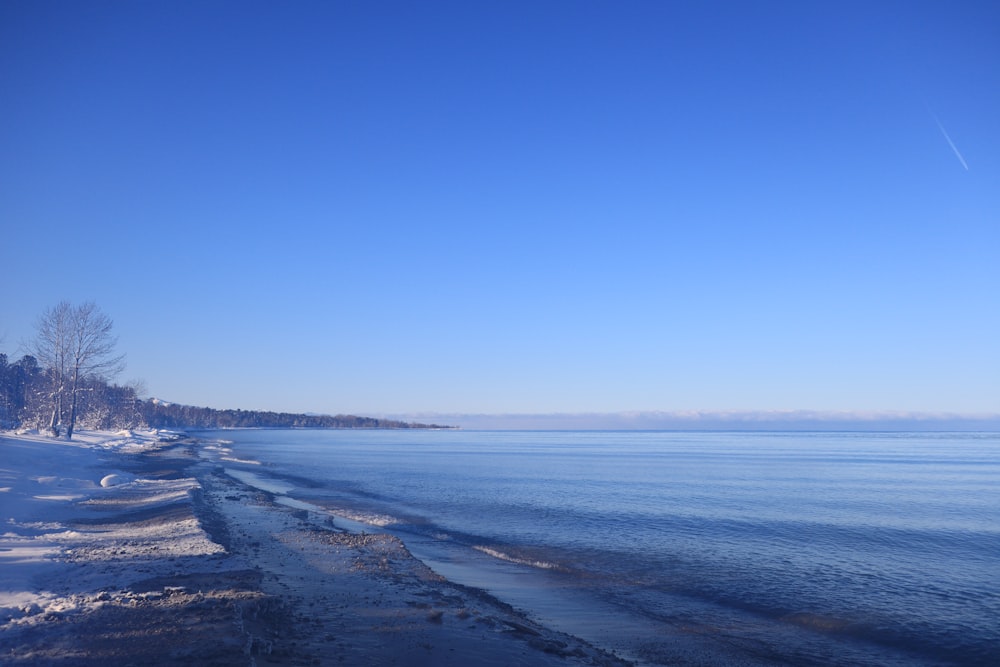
{"x":157,"y":414}
{"x":30,"y":395}
{"x":66,"y":381}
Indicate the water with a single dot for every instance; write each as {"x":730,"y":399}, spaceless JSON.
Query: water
{"x":685,"y":548}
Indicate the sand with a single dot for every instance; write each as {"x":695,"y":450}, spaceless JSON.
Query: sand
{"x":172,"y":561}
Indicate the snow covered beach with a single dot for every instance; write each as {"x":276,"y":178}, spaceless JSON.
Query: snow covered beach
{"x":135,"y":548}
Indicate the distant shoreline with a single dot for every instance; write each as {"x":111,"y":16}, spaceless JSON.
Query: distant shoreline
{"x":156,"y":413}
{"x":791,"y":420}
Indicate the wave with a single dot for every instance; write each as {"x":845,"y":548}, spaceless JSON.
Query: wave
{"x":233,"y":459}
{"x":712,"y":531}
{"x":501,"y":555}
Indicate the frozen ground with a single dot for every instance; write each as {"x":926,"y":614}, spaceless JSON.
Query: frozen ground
{"x":137,"y":548}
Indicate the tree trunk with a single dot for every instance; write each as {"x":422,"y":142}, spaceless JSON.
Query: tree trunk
{"x":56,"y":414}
{"x":72,"y":408}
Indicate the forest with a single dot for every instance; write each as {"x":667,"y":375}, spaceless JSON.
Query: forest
{"x":26,"y":402}
{"x":157,"y":414}
{"x":29,"y":393}
{"x":65,"y":381}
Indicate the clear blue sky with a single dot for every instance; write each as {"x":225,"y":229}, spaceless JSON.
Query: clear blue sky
{"x":379,"y":207}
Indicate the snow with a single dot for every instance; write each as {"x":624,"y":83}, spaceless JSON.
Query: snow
{"x":68,"y":519}
{"x":116,"y":479}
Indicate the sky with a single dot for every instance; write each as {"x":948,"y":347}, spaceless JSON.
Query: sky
{"x":513,"y":207}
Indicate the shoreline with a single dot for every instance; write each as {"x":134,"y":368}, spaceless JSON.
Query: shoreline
{"x":180,"y":563}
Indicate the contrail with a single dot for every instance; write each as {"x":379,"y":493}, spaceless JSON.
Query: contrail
{"x":950,"y":142}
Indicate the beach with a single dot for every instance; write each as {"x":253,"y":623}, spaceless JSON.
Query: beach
{"x":133,"y":548}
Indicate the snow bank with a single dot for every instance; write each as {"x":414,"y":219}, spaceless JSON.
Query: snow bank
{"x":71,"y":524}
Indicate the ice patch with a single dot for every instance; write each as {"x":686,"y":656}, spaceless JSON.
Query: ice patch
{"x":258,"y":482}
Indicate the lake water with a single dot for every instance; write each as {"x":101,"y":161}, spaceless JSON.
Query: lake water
{"x":684,"y":547}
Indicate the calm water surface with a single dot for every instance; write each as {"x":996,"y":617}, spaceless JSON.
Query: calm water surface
{"x":685,"y":548}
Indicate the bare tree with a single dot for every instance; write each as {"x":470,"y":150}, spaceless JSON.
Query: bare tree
{"x":51,"y":347}
{"x":76,"y":344}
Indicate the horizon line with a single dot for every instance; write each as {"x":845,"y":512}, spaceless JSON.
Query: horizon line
{"x":716,"y":419}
